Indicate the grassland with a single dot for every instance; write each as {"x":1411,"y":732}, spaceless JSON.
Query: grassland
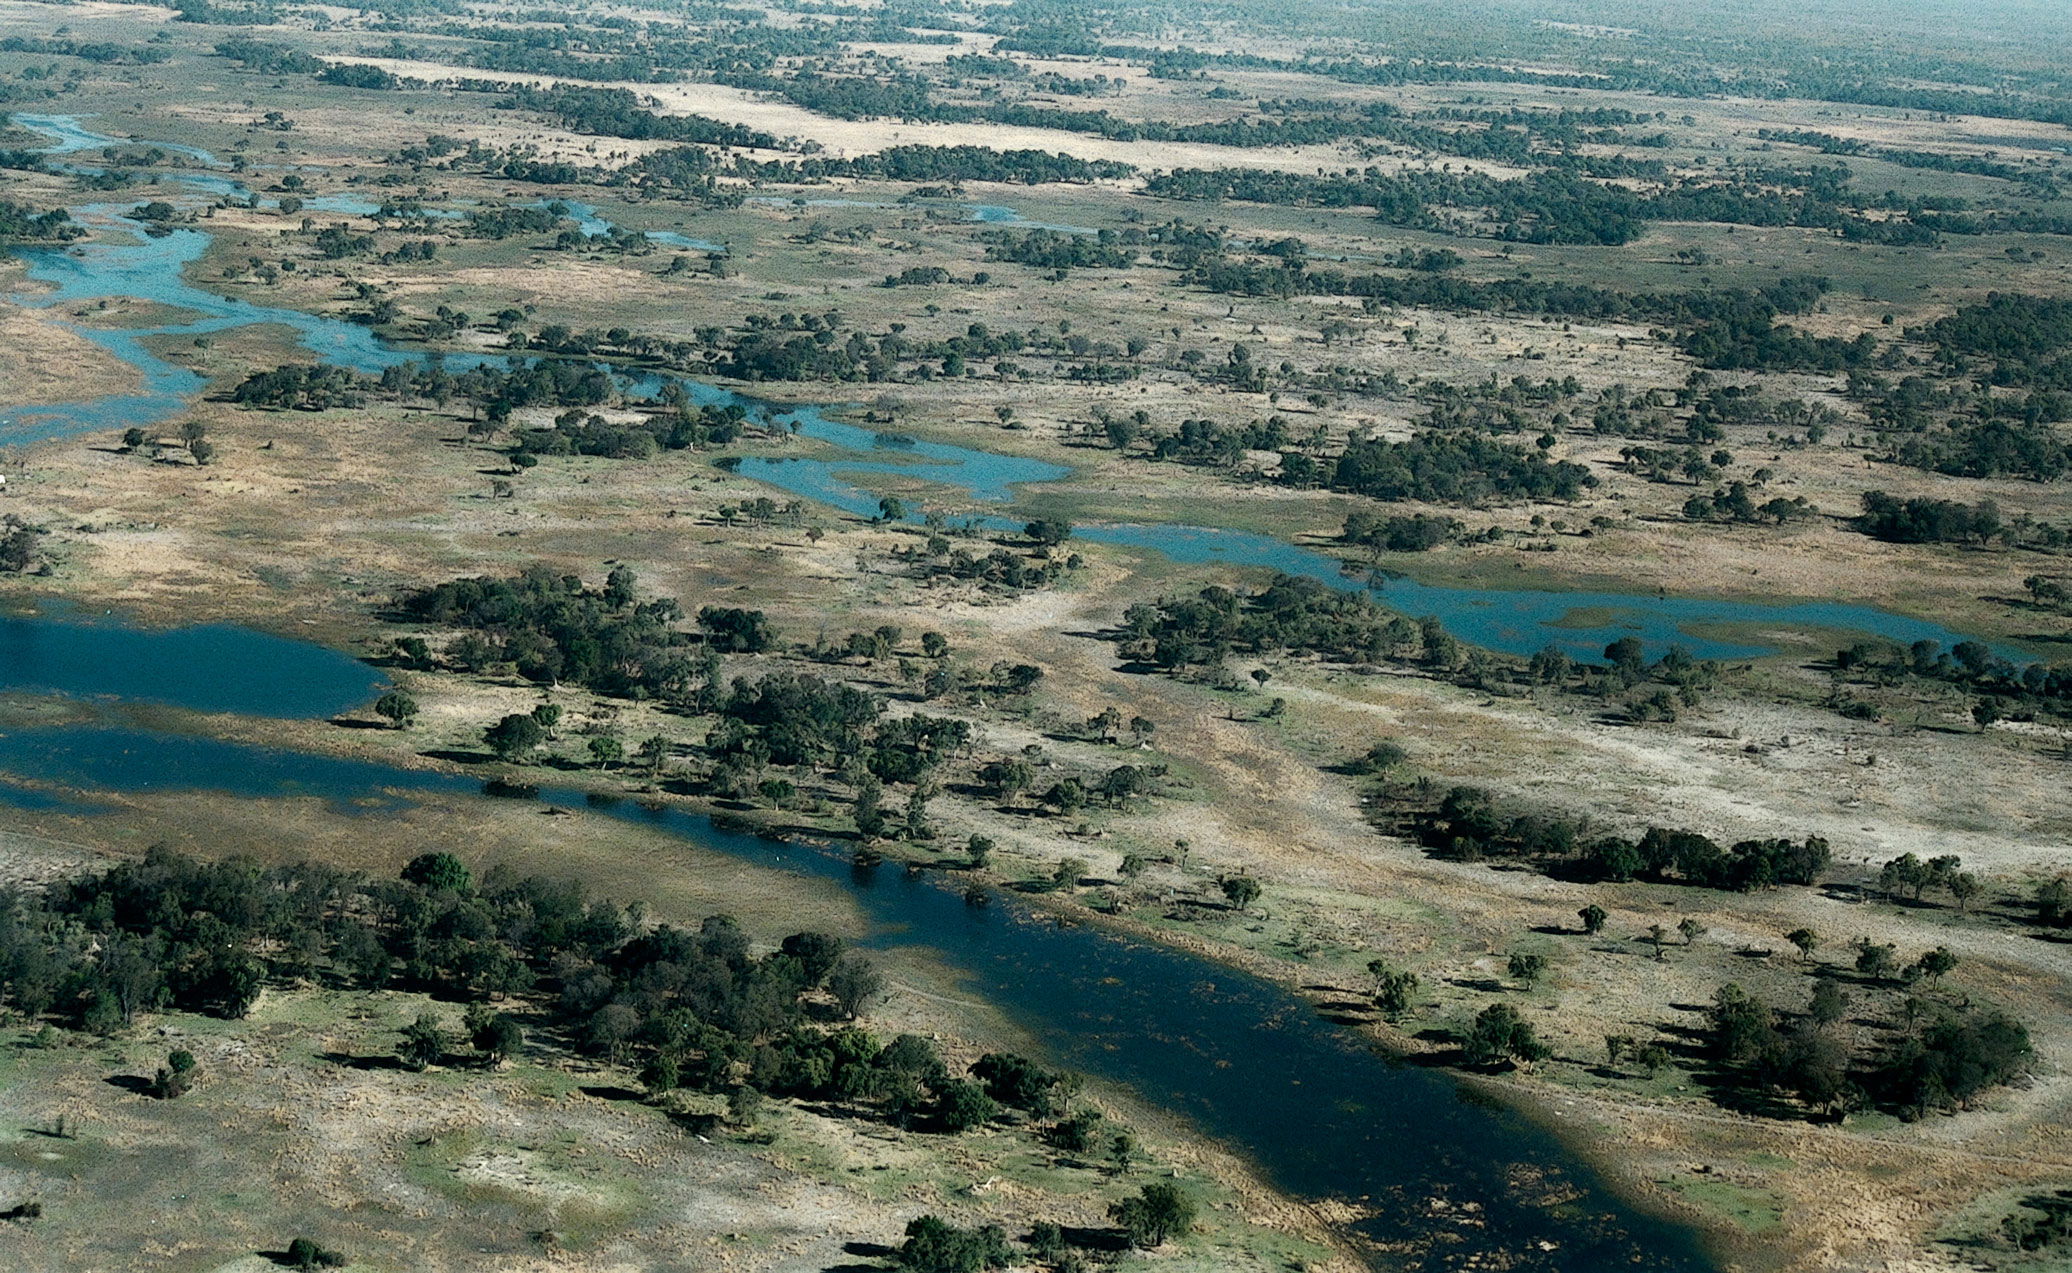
{"x":310,"y":523}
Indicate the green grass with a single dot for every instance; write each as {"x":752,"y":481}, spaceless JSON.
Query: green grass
{"x":1754,"y":1211}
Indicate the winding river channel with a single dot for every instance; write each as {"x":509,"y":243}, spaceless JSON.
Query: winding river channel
{"x":1441,"y":1180}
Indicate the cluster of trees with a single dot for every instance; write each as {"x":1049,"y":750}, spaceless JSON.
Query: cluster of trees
{"x":20,"y":222}
{"x":942,"y":164}
{"x":20,"y":542}
{"x":1925,"y":520}
{"x":1452,"y":468}
{"x":1416,"y":533}
{"x":618,"y":112}
{"x":1051,"y":250}
{"x":1550,"y":205}
{"x":576,"y":432}
{"x":552,"y":629}
{"x":1470,"y":825}
{"x":1942,"y":1058}
{"x":1723,"y":328}
{"x":1734,"y":503}
{"x":2007,"y":689}
{"x":1148,"y":1219}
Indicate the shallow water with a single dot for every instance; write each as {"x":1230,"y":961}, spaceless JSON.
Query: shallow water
{"x":1516,"y":621}
{"x":1322,"y":1115}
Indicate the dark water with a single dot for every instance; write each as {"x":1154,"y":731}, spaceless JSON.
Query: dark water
{"x":1248,"y":1063}
{"x":1517,"y":621}
{"x":203,"y":669}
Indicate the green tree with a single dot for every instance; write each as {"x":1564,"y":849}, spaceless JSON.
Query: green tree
{"x":499,"y":1037}
{"x":1160,"y":1212}
{"x":1933,"y":965}
{"x":606,"y":751}
{"x":1123,"y":1152}
{"x":1828,"y":1004}
{"x":961,"y":1105}
{"x":424,"y":1042}
{"x":979,"y":850}
{"x":397,"y":707}
{"x":1875,"y":961}
{"x":1593,"y":917}
{"x":1806,"y":940}
{"x":304,"y":1254}
{"x":440,"y":873}
{"x":1394,"y":989}
{"x":1526,"y":967}
{"x":514,"y":737}
{"x":1501,"y":1035}
{"x":854,"y":983}
{"x":1240,"y":890}
{"x":935,"y":1246}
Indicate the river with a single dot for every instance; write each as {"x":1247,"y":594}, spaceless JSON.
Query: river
{"x":1446,"y":1181}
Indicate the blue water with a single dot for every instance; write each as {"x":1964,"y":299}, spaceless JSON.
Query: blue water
{"x":1322,"y":1114}
{"x":1516,"y":621}
{"x":204,"y":669}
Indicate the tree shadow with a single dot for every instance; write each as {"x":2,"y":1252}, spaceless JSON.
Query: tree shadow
{"x":456,"y":756}
{"x":1113,"y":1240}
{"x":133,"y":1083}
{"x":612,"y":1092}
{"x":380,"y":1061}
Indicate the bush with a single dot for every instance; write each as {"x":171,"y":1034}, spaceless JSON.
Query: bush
{"x":1160,"y":1212}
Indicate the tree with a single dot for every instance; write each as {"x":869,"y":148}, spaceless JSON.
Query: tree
{"x":1158,"y":1213}
{"x":1527,"y":967}
{"x":1933,"y":965}
{"x":854,"y":983}
{"x":498,"y":1037}
{"x":1903,"y":872}
{"x":818,"y":954}
{"x":175,"y":1077}
{"x":1499,"y":1035}
{"x":935,"y":1246}
{"x":1690,"y":929}
{"x":514,"y":737}
{"x":1240,"y":890}
{"x":1875,"y":961}
{"x":961,"y":1105}
{"x":440,"y":873}
{"x":202,"y":450}
{"x":1069,"y":872}
{"x":1122,"y":1152}
{"x":1394,"y":990}
{"x":1829,"y":1004}
{"x":1964,"y":886}
{"x":1048,"y":532}
{"x":1593,"y":917}
{"x":606,"y":751}
{"x":1806,"y":940}
{"x":979,"y":850}
{"x":424,"y":1042}
{"x":398,"y":707}
{"x":1133,"y":866}
{"x":305,"y":1254}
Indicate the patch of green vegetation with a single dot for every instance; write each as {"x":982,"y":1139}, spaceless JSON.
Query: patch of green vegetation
{"x":1753,"y":1210}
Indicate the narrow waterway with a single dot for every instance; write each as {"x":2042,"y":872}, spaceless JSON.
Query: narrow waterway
{"x":1441,"y":1181}
{"x":1444,"y":1181}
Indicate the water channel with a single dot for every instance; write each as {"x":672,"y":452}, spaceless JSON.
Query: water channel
{"x":1443,"y":1180}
